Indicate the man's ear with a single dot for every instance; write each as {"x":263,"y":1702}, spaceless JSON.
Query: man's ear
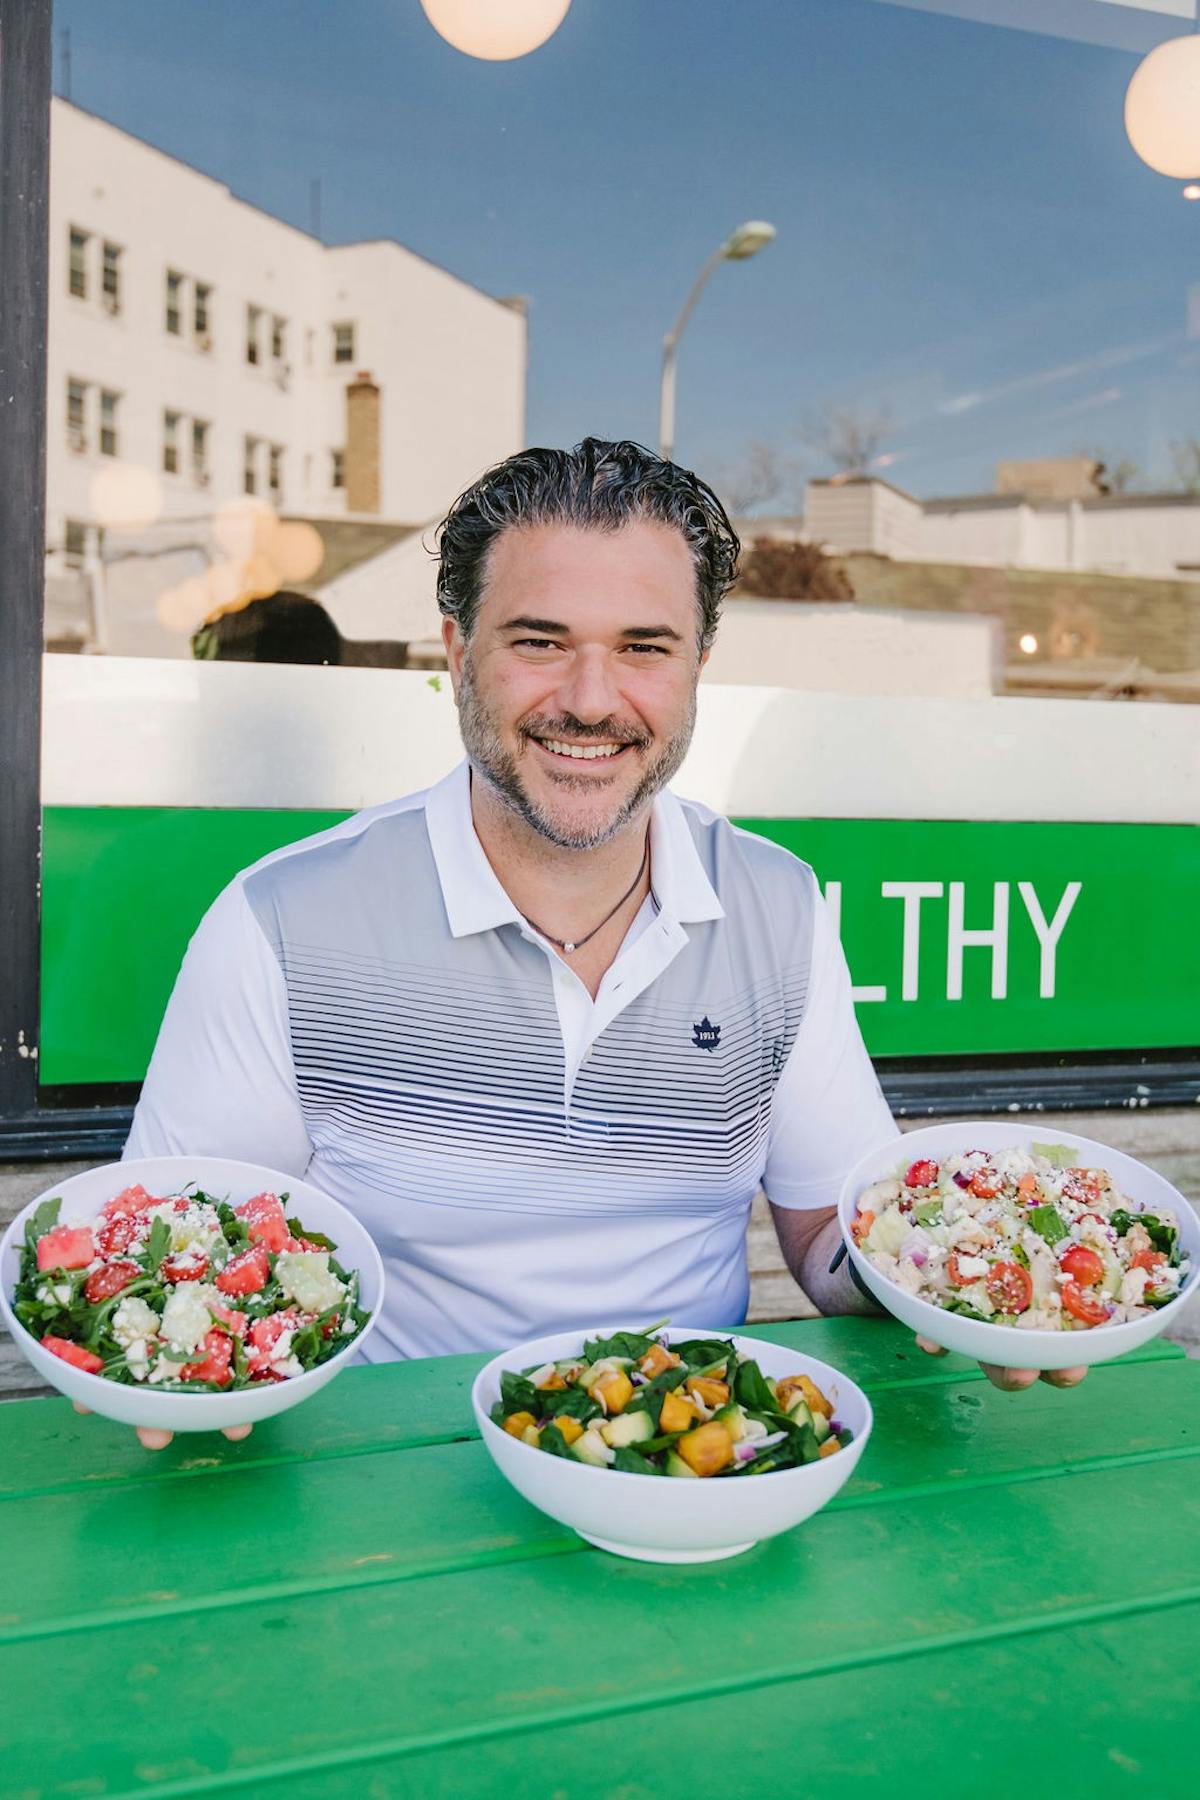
{"x":704,"y":656}
{"x":456,"y":649}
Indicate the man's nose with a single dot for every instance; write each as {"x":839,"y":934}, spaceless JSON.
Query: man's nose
{"x":589,"y":689}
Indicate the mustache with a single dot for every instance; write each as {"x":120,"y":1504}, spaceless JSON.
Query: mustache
{"x":567,"y":727}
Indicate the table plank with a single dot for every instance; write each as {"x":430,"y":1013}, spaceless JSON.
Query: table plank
{"x":47,"y":1448}
{"x":301,"y":1683}
{"x":286,"y":1529}
{"x":846,"y":1736}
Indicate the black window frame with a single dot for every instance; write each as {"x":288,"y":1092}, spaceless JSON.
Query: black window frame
{"x":92,"y":1123}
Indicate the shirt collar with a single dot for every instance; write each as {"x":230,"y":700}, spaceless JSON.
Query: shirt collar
{"x":471,"y":890}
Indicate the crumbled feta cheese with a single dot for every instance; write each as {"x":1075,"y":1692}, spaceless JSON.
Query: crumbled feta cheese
{"x":134,"y":1320}
{"x":186,"y":1316}
{"x":1133,"y":1286}
{"x":305,"y":1277}
{"x":972,"y":1266}
{"x":54,"y":1293}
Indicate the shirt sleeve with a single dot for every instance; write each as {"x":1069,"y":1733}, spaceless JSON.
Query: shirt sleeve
{"x":221,"y":1081}
{"x":829,"y":1109}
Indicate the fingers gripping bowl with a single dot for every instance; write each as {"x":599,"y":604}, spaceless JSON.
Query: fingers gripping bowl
{"x":1018,"y":1246}
{"x":110,"y":1257}
{"x":663,"y":1520}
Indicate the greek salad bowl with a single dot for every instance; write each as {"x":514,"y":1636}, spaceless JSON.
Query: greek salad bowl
{"x":188,"y":1293}
{"x":664,"y":1520}
{"x":1018,"y":1245}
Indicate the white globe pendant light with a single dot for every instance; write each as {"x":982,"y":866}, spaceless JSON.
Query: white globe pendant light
{"x":495,"y":30}
{"x":1162,"y":108}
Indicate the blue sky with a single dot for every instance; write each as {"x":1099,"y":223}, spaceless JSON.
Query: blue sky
{"x":966,"y":239}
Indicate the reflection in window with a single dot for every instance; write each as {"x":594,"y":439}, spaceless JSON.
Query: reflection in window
{"x":174,"y":316}
{"x":275,"y":472}
{"x":170,"y":448}
{"x":108,"y":422}
{"x":77,"y":263}
{"x":337,"y":468}
{"x":253,"y":319}
{"x":343,"y":343}
{"x":110,"y":279}
{"x":201,"y":315}
{"x":74,"y":542}
{"x":278,"y":338}
{"x":76,"y":417}
{"x":200,"y":470}
{"x":249,"y":465}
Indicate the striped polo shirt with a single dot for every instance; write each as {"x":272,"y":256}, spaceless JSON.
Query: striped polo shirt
{"x":368,"y":1009}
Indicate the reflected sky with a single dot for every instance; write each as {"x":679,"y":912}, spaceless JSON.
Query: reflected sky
{"x":965,"y":237}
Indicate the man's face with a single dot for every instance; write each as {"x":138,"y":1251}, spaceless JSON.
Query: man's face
{"x":577,"y":688}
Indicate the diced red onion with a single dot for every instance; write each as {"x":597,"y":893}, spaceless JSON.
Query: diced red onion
{"x":961,"y":1180}
{"x":744,"y":1453}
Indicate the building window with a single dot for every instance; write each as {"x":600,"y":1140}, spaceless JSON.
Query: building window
{"x":200,"y":474}
{"x":249,"y":465}
{"x":110,"y":280}
{"x":170,"y":452}
{"x":77,"y":263}
{"x":337,"y":471}
{"x":202,"y":315}
{"x":108,"y":422}
{"x":76,"y":416}
{"x":253,"y":316}
{"x":275,"y":471}
{"x":343,"y":343}
{"x":74,"y":542}
{"x":278,"y":339}
{"x":174,"y":318}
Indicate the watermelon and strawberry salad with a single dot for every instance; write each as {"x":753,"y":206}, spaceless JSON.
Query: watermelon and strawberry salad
{"x":185,"y":1291}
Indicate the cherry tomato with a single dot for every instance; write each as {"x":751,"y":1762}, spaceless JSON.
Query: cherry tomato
{"x":985,"y":1184}
{"x":955,"y":1273}
{"x":1082,"y":1306}
{"x":1083,"y":1265}
{"x":183,"y":1266}
{"x":922,"y":1174}
{"x":1083,"y":1185}
{"x":1009,"y":1287}
{"x":103,"y":1283}
{"x":118,"y":1234}
{"x":1148,"y":1259}
{"x":862,"y":1226}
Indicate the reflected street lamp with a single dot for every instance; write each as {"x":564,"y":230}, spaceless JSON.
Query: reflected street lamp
{"x":742,"y":243}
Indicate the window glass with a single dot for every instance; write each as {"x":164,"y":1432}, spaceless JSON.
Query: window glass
{"x":343,"y":343}
{"x":253,"y":323}
{"x":77,"y":263}
{"x":202,"y":302}
{"x":174,"y":313}
{"x":108,"y":422}
{"x":170,"y":454}
{"x":111,"y":277}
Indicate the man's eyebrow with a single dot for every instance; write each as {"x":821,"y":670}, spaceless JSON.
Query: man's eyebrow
{"x":555,"y":628}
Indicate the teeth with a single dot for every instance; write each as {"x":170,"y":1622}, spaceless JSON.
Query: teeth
{"x":587,"y":752}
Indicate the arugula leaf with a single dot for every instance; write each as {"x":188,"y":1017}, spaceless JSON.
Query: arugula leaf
{"x":158,"y":1243}
{"x":43,"y":1220}
{"x":312,"y":1237}
{"x":1047,"y":1222}
{"x":182,"y":1356}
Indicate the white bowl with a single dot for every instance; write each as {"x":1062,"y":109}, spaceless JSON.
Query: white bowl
{"x":659,"y":1519}
{"x":85,"y":1194}
{"x":1008,"y":1345}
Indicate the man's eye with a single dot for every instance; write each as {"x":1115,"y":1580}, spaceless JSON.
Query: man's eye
{"x":648,"y":649}
{"x":534,"y":644}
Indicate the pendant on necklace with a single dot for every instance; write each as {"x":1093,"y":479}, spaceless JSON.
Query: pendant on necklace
{"x":568,"y":948}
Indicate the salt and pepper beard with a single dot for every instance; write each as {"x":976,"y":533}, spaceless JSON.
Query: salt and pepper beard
{"x":498,"y":767}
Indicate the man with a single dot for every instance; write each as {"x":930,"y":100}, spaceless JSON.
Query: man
{"x":545,"y":1028}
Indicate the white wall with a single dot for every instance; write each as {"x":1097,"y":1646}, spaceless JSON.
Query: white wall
{"x":135,"y":732}
{"x":844,"y":649}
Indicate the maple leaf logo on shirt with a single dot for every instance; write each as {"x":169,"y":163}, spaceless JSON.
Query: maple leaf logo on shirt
{"x":706,"y":1035}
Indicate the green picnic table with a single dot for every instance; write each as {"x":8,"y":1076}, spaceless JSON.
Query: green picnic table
{"x":352,"y":1602}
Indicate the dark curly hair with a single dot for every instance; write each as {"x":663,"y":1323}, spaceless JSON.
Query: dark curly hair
{"x":601,"y":485}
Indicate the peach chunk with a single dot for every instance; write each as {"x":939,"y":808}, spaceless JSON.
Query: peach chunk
{"x":706,"y":1449}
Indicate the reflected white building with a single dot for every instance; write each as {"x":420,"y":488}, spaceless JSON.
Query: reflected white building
{"x":196,"y":337}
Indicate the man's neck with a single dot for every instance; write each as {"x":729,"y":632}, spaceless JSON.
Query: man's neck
{"x":565,"y":892}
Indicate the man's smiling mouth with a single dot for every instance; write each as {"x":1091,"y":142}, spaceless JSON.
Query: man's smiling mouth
{"x":581,"y":752}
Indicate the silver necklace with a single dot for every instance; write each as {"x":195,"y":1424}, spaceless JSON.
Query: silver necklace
{"x":561,"y":944}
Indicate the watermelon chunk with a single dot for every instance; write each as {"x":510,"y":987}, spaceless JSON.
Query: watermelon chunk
{"x":75,"y":1354}
{"x":264,"y":1338}
{"x":130,"y":1200}
{"x":214,"y":1366}
{"x":66,"y":1247}
{"x":265,"y":1221}
{"x":247,"y":1273}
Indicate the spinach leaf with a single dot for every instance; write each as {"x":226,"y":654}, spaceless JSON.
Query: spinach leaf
{"x":518,"y":1394}
{"x":1047,"y":1222}
{"x":700,"y":1353}
{"x":575,"y":1403}
{"x":553,"y":1442}
{"x":622,"y":1343}
{"x":630,"y":1463}
{"x":750,"y":1387}
{"x":1163,"y":1237}
{"x":43,"y":1220}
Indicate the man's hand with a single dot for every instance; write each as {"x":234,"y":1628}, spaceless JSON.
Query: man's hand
{"x":152,"y":1438}
{"x":1011,"y":1381}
